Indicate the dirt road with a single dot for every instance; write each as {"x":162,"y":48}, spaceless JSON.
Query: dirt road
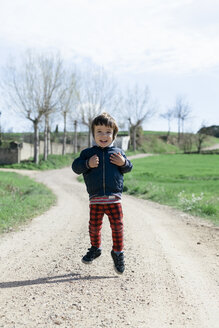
{"x":212,"y":147}
{"x":171,"y":276}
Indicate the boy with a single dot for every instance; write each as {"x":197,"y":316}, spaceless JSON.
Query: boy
{"x":103,"y":166}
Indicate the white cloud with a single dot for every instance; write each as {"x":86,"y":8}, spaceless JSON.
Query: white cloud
{"x":144,"y":35}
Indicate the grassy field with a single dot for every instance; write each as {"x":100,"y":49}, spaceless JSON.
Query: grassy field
{"x":156,"y":142}
{"x":20,"y":199}
{"x":188,"y":182}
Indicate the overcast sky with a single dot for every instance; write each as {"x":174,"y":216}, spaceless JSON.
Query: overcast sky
{"x":172,"y":46}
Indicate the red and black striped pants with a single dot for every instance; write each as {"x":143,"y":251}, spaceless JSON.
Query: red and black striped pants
{"x":115,"y":215}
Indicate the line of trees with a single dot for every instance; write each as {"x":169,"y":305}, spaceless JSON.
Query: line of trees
{"x":43,"y":89}
{"x":181,"y":111}
{"x":36,"y":90}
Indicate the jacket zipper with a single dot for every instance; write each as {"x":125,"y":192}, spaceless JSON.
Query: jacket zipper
{"x":104,"y":185}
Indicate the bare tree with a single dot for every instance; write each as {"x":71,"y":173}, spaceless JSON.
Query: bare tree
{"x":75,"y":136}
{"x":32,"y":90}
{"x":186,"y":142}
{"x":21,"y":94}
{"x":98,"y":92}
{"x":68,"y":102}
{"x":138,"y":110}
{"x":182,"y":111}
{"x":200,"y":138}
{"x":168,"y":115}
{"x":51,"y":75}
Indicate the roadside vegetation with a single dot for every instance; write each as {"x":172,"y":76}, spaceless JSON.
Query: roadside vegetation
{"x":52,"y":162}
{"x":162,"y":142}
{"x":187,"y":182}
{"x":21,"y":199}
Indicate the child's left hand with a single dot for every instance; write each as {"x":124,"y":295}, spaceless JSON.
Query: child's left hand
{"x":117,"y":159}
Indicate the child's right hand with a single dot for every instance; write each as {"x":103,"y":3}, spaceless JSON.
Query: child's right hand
{"x":93,"y":161}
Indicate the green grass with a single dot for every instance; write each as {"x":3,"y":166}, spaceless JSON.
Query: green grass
{"x":53,"y":162}
{"x":155,"y":142}
{"x":21,"y":199}
{"x":159,"y":133}
{"x":188,"y":182}
{"x":155,"y":145}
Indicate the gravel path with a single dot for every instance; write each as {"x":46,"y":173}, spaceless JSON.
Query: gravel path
{"x":212,"y":147}
{"x":171,"y":276}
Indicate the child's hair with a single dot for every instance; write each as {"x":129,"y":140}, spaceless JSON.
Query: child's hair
{"x":107,"y":120}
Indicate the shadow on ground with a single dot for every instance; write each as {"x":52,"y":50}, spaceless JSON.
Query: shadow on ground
{"x":52,"y":280}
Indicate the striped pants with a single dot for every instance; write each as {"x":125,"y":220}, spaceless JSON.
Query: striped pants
{"x":115,"y":215}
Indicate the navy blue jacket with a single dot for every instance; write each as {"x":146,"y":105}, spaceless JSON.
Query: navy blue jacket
{"x":107,"y":178}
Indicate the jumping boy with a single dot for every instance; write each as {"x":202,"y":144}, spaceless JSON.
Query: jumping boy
{"x":103,"y":166}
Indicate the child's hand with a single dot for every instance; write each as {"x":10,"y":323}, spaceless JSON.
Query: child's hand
{"x":93,"y":161}
{"x":117,"y":159}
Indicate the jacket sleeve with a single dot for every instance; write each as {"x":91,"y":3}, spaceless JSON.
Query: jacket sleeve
{"x":127,"y":167}
{"x":80,"y":164}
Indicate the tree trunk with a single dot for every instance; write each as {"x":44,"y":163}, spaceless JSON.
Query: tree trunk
{"x":75,"y":137}
{"x":182,"y":126}
{"x":46,"y":139}
{"x":64,"y":137}
{"x":178,"y":129}
{"x":36,"y":142}
{"x":168,"y":132}
{"x":134,"y":138}
{"x":130,"y":132}
{"x":89,"y":135}
{"x":199,"y":143}
{"x":199,"y":147}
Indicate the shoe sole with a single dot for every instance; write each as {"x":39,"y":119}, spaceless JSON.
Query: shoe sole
{"x":120,"y":273}
{"x":86,"y":262}
{"x":89,"y":262}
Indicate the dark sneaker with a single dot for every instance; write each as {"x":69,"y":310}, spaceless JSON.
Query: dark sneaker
{"x":118,"y":261}
{"x":92,"y":254}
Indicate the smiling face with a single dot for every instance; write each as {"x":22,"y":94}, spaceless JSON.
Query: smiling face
{"x":103,"y":135}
